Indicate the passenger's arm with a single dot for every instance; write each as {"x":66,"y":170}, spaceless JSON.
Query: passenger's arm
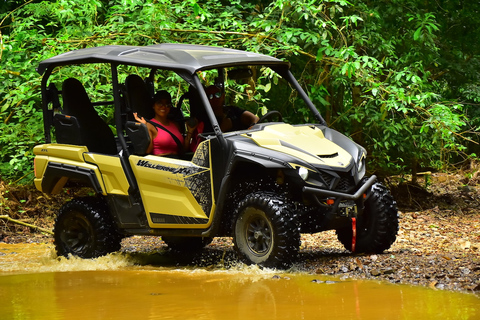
{"x":191,"y":125}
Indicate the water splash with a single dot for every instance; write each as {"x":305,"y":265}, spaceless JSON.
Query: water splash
{"x":32,"y":258}
{"x":36,"y":258}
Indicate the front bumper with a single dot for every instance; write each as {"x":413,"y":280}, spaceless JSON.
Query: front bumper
{"x":344,"y":205}
{"x":339,"y":196}
{"x":341,"y":212}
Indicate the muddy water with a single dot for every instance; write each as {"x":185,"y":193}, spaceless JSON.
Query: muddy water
{"x":36,"y":285}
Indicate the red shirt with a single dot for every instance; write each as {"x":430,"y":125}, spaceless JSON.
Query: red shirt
{"x":163,"y":142}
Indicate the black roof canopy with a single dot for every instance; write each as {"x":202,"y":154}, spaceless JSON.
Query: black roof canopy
{"x":180,"y":57}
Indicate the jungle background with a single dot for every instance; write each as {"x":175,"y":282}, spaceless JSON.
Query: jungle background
{"x":399,"y":77}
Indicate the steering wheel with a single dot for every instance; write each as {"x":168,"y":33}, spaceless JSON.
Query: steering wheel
{"x":270,"y":114}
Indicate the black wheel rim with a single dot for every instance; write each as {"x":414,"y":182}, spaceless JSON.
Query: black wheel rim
{"x":258,"y":232}
{"x":77,"y":234}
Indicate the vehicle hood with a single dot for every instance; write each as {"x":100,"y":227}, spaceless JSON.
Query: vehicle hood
{"x":305,"y":142}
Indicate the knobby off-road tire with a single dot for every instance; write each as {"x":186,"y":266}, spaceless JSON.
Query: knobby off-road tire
{"x":265,"y":231}
{"x":377,"y":227}
{"x":186,"y":244}
{"x":84,"y":228}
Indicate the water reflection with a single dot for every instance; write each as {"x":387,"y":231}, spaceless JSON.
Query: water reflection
{"x":119,"y":289}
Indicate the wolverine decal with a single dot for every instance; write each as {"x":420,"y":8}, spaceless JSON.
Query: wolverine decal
{"x":176,"y":192}
{"x":199,"y":184}
{"x":202,"y":155}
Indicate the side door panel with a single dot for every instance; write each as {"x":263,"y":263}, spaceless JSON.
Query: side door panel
{"x":176,"y":193}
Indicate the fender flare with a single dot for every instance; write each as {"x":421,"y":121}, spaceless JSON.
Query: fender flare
{"x":57,"y":174}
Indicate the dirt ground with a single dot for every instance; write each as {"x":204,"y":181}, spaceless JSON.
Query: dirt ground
{"x":438,"y":243}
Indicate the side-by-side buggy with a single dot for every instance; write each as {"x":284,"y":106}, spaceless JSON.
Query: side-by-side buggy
{"x":263,"y":186}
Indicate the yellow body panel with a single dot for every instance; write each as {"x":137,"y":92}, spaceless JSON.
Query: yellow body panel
{"x":40,"y":166}
{"x":64,"y":151}
{"x":165,"y":190}
{"x":112,"y":172}
{"x":307,"y":138}
{"x":65,"y":154}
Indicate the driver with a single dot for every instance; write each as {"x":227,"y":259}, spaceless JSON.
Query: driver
{"x":230,"y":118}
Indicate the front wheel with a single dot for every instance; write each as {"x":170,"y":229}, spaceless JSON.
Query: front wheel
{"x":83,"y":228}
{"x":377,"y":227}
{"x":265,"y":231}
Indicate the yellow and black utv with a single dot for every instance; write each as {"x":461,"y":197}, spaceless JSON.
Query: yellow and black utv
{"x":263,"y":186}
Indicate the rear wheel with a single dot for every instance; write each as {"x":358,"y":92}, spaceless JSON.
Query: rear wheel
{"x":377,"y":227}
{"x":83,"y":228}
{"x":265,"y":231}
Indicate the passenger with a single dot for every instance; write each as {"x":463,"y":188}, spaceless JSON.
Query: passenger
{"x":165,"y":136}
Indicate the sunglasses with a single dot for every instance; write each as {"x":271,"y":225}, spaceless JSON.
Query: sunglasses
{"x":215,"y":95}
{"x":168,"y":105}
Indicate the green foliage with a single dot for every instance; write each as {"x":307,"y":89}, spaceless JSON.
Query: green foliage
{"x":395,"y":75}
{"x":391,"y":101}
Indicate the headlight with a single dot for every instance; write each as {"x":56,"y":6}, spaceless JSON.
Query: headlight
{"x":303,"y":173}
{"x":361,"y":162}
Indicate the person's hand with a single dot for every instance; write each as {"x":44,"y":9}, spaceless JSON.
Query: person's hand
{"x":192,"y":124}
{"x":139,"y":119}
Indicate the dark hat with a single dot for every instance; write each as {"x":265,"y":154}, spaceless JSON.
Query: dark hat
{"x":162,"y":94}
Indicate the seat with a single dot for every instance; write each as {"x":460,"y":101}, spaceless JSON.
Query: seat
{"x":80,"y":123}
{"x":139,"y":137}
{"x":176,"y":115}
{"x":139,"y":98}
{"x":197,"y":109}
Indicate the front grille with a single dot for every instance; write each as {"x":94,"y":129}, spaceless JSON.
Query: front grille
{"x":342,"y":184}
{"x":345,"y":184}
{"x":328,"y":179}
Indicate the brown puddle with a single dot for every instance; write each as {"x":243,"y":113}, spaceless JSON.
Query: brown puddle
{"x":35,"y":285}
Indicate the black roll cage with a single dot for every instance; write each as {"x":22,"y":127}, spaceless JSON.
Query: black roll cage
{"x":185,"y":60}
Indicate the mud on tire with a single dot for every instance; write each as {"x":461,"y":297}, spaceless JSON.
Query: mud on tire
{"x":84,"y":228}
{"x":265,"y":231}
{"x":377,"y":227}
